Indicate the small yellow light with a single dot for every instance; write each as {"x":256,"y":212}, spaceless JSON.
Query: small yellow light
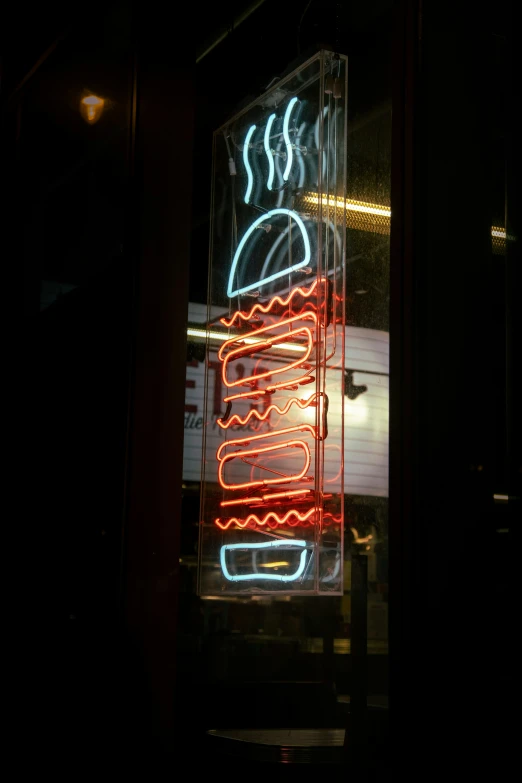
{"x":274,"y":565}
{"x":91,"y":108}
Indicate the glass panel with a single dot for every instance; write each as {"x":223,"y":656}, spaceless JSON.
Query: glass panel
{"x":272,"y":511}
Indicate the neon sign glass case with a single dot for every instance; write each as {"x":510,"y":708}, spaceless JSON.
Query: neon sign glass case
{"x":272,"y":464}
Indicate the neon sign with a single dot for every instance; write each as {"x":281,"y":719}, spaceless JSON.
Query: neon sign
{"x":256,"y":548}
{"x":231,"y":292}
{"x":276,"y":287}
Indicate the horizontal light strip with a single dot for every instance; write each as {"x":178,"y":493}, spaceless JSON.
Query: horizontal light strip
{"x":353,"y":206}
{"x":250,"y":340}
{"x":372,"y":209}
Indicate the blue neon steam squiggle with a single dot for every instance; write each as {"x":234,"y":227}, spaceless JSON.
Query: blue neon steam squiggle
{"x":289,"y":153}
{"x":269,"y":154}
{"x":247,"y":163}
{"x":286,"y":271}
{"x":265,"y":577}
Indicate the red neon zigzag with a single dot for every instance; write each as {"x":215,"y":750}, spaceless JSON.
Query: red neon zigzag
{"x":265,"y":520}
{"x":259,"y":308}
{"x":254,"y":413}
{"x":300,"y":518}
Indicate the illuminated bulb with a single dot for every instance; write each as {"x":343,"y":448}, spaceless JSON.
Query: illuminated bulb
{"x":91,"y":108}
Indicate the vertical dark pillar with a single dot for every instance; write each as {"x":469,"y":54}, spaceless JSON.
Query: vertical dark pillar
{"x":445,"y":646}
{"x":163,"y":174}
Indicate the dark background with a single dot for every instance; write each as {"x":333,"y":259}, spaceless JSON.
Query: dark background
{"x":95,"y":214}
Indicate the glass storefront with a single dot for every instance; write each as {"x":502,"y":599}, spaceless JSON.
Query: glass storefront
{"x":298,"y":660}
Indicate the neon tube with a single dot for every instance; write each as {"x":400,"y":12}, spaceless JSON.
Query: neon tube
{"x":292,"y":385}
{"x":261,"y":522}
{"x":269,"y":154}
{"x":250,"y":501}
{"x":267,"y":545}
{"x":222,"y":336}
{"x":248,"y":440}
{"x":270,"y":342}
{"x":254,"y":394}
{"x":245,"y":351}
{"x":250,"y":176}
{"x":297,"y":444}
{"x":262,"y":219}
{"x":265,"y":309}
{"x":289,"y":153}
{"x":236,"y":419}
{"x":289,"y":493}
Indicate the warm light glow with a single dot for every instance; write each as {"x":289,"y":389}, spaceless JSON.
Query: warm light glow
{"x":277,"y":564}
{"x":282,"y":273}
{"x":356,"y":410}
{"x":289,"y":494}
{"x":503,"y":498}
{"x":367,"y":208}
{"x":204,"y":333}
{"x":265,"y":545}
{"x":360,"y":539}
{"x":250,"y":438}
{"x":272,"y":515}
{"x":350,"y":204}
{"x":265,"y":309}
{"x":268,"y":342}
{"x":254,"y":453}
{"x":254,"y":413}
{"x":91,"y":108}
{"x":250,"y":501}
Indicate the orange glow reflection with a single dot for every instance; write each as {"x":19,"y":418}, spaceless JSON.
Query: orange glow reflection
{"x":91,"y":108}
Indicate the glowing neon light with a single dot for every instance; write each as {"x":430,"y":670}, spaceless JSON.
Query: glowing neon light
{"x":292,"y":385}
{"x":269,"y":154}
{"x":288,"y":494}
{"x":261,"y":522}
{"x":279,"y":341}
{"x":270,"y":342}
{"x":203,"y":333}
{"x":254,"y":413}
{"x":289,"y":153}
{"x":248,"y":440}
{"x":265,"y":545}
{"x":252,"y":500}
{"x":247,"y":163}
{"x":262,"y":219}
{"x":254,"y":453}
{"x":265,"y":309}
{"x":254,"y":394}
